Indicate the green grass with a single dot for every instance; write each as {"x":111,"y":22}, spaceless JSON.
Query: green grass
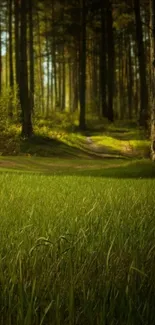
{"x":77,"y":242}
{"x":60,"y":137}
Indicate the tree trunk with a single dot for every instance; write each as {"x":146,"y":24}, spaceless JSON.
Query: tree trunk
{"x":130,"y":80}
{"x":152,"y":7}
{"x":52,"y":87}
{"x":54,"y":56}
{"x":11,"y":77}
{"x":0,"y":54}
{"x":24,"y":95}
{"x":111,"y":50}
{"x":103,"y":65}
{"x":63,"y":99}
{"x":40,"y":68}
{"x":31,"y":55}
{"x":82,"y":122}
{"x":17,"y":47}
{"x":142,"y":67}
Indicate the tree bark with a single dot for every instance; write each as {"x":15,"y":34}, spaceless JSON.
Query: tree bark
{"x":82,"y":121}
{"x":11,"y":77}
{"x":0,"y":54}
{"x":111,"y":51}
{"x":17,"y":47}
{"x":130,"y":80}
{"x":24,"y":94}
{"x":103,"y":65}
{"x":142,"y":67}
{"x":31,"y":56}
{"x":40,"y":68}
{"x":152,"y":9}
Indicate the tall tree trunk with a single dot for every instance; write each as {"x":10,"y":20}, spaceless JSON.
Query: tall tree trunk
{"x":152,"y":14}
{"x":82,"y":122}
{"x":52,"y":86}
{"x":54,"y":56}
{"x":58,"y":104}
{"x":63,"y":100}
{"x":17,"y":47}
{"x":24,"y":95}
{"x":111,"y":51}
{"x":63,"y":93}
{"x":130,"y":79}
{"x":103,"y":65}
{"x":121,"y":85}
{"x":48,"y":85}
{"x":0,"y":53}
{"x":48,"y":69}
{"x":11,"y":77}
{"x":31,"y":55}
{"x":40,"y":68}
{"x":142,"y":67}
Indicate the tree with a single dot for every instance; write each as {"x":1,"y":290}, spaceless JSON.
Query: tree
{"x":82,"y":122}
{"x":142,"y":66}
{"x":31,"y":55}
{"x":11,"y":76}
{"x":23,"y":84}
{"x":103,"y":63}
{"x":152,"y":15}
{"x":17,"y":46}
{"x":111,"y":67}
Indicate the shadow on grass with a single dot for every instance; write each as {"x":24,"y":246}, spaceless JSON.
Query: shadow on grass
{"x":129,"y":170}
{"x":47,"y":147}
{"x":136,"y":170}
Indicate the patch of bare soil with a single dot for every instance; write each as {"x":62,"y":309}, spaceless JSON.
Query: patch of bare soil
{"x":7,"y":164}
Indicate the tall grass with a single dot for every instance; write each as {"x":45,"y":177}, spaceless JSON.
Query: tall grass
{"x":76,"y":250}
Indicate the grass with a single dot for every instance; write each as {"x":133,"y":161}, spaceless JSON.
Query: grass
{"x":60,"y":137}
{"x":77,"y":229}
{"x":77,"y":242}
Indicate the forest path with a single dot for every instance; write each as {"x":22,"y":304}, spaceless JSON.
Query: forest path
{"x":104,"y":150}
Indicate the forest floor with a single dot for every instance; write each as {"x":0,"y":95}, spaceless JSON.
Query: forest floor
{"x":67,"y":142}
{"x":104,"y":150}
{"x":78,"y":209}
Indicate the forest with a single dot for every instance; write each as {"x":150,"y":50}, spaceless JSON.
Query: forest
{"x":77,"y":155}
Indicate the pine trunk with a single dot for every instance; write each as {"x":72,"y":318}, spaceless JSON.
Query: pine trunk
{"x":82,"y":122}
{"x":143,"y":119}
{"x":24,"y":95}
{"x":152,"y":7}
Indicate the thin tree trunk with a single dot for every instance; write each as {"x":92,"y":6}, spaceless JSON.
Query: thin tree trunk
{"x":52,"y":87}
{"x":48,"y":69}
{"x":31,"y":55}
{"x":130,"y":80}
{"x":103,"y":65}
{"x":40,"y":69}
{"x":63,"y":100}
{"x":142,"y":67}
{"x":82,"y":122}
{"x":152,"y":14}
{"x":121,"y":86}
{"x":70,"y":85}
{"x":54,"y":56}
{"x":11,"y":77}
{"x":17,"y":46}
{"x":24,"y":95}
{"x":111,"y":52}
{"x":0,"y":54}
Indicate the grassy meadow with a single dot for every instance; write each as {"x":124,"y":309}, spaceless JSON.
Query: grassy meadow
{"x":77,"y":228}
{"x":77,"y":246}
